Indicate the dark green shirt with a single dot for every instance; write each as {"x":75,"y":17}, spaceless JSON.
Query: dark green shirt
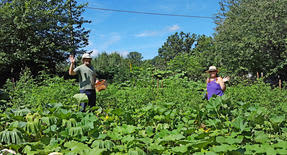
{"x":86,"y":76}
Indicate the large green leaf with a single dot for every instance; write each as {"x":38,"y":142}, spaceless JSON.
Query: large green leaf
{"x":261,"y":137}
{"x":11,"y":137}
{"x":155,"y":147}
{"x":180,"y":149}
{"x":136,"y":151}
{"x":75,"y":131}
{"x":281,"y":144}
{"x":229,"y":140}
{"x":77,"y":147}
{"x":173,"y":137}
{"x":223,"y":148}
{"x":81,"y":97}
{"x":277,"y":119}
{"x":107,"y":144}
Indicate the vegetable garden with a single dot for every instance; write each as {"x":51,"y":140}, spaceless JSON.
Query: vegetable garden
{"x":151,"y":106}
{"x":44,"y":117}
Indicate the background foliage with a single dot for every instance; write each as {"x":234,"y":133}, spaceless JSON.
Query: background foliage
{"x":251,"y":36}
{"x":39,"y":34}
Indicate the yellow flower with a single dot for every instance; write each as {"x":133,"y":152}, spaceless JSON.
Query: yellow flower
{"x":107,"y":117}
{"x":207,"y":130}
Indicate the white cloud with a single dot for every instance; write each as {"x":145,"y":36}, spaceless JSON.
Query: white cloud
{"x":173,"y":28}
{"x":147,"y":34}
{"x":159,"y":32}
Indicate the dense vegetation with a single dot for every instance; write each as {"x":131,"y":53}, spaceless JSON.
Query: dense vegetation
{"x":141,"y":118}
{"x":151,"y":106}
{"x":39,"y":34}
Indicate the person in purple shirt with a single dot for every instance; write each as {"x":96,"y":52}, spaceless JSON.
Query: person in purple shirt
{"x":215,"y":84}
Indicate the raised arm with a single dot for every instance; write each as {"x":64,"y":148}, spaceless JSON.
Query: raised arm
{"x":71,"y":69}
{"x":221,"y":83}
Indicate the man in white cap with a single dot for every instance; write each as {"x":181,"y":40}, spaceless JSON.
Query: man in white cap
{"x":87,"y":77}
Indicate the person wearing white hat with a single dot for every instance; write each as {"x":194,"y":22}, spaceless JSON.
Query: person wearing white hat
{"x":215,"y":85}
{"x":87,"y":77}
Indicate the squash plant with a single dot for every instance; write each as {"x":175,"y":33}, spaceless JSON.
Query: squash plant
{"x":145,"y":120}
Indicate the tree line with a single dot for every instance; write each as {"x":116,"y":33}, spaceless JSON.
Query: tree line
{"x":250,"y":36}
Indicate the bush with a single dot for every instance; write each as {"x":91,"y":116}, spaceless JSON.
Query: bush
{"x":40,"y":91}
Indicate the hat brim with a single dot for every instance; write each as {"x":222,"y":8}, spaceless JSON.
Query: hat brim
{"x":212,"y":71}
{"x":86,"y":58}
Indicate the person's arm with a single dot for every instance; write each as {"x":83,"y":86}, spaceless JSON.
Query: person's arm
{"x":71,"y":69}
{"x":96,"y":79}
{"x":221,"y":83}
{"x":226,"y":79}
{"x":205,"y":94}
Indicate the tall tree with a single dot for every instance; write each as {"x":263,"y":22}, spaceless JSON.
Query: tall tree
{"x":135,"y":58}
{"x":204,"y":50}
{"x":112,"y":67}
{"x":189,"y":64}
{"x":176,"y":44}
{"x":39,"y":34}
{"x":158,"y":62}
{"x":251,"y":36}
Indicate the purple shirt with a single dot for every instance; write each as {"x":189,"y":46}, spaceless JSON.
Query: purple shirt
{"x":213,"y":88}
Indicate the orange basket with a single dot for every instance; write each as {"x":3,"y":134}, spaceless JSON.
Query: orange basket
{"x":101,"y":85}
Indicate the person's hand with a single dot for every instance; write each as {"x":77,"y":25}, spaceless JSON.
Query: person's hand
{"x":226,"y":79}
{"x":72,"y":59}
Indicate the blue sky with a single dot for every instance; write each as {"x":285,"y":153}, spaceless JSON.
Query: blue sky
{"x":126,"y":32}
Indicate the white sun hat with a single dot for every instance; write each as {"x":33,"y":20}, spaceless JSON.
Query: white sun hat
{"x":211,"y":69}
{"x":86,"y":56}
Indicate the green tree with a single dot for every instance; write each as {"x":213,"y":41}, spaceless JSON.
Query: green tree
{"x":135,"y":58}
{"x":251,"y":36}
{"x":205,"y":52}
{"x":39,"y":34}
{"x":158,"y":62}
{"x":177,"y":44}
{"x":112,"y":67}
{"x":190,"y":65}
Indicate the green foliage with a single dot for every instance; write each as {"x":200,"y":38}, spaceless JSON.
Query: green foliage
{"x":81,"y":97}
{"x":158,"y":62}
{"x":11,"y":137}
{"x":112,"y":67}
{"x":205,"y":52}
{"x":251,"y":36}
{"x":179,"y":43}
{"x":142,"y":118}
{"x":189,"y":64}
{"x":46,"y":91}
{"x":152,"y":107}
{"x":134,"y":58}
{"x":39,"y":34}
